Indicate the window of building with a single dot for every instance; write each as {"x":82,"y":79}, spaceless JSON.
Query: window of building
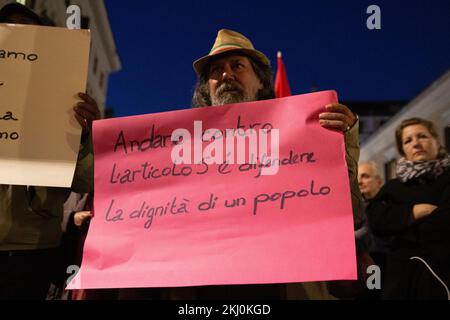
{"x":95,"y":65}
{"x":85,"y":22}
{"x":389,"y":169}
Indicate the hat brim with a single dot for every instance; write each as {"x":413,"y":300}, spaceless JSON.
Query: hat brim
{"x":200,"y":64}
{"x":18,"y":8}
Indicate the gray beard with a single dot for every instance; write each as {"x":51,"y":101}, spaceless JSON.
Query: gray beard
{"x":224,"y":97}
{"x":229,"y":98}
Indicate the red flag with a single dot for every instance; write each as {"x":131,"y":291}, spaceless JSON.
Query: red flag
{"x":281,"y":82}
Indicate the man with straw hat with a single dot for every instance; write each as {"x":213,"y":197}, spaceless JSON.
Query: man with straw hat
{"x":233,"y":72}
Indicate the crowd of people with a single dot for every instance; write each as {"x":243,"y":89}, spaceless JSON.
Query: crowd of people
{"x":402,"y":226}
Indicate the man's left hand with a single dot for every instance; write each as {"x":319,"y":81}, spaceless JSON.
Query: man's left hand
{"x":86,"y":111}
{"x":338,"y":117}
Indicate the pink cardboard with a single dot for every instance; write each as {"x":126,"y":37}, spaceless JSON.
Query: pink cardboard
{"x":154,"y":229}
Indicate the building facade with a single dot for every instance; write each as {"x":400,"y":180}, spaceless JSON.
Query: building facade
{"x":373,"y":114}
{"x":104,"y":58}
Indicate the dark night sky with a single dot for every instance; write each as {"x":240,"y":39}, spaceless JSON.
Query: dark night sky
{"x":325,"y":44}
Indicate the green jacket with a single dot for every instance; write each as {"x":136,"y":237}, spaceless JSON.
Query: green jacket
{"x":31,"y":218}
{"x":352,"y":158}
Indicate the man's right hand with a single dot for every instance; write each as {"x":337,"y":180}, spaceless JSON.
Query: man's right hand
{"x":338,"y":117}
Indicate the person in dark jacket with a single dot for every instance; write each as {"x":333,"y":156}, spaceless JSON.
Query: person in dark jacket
{"x":30,"y":216}
{"x":414,"y":209}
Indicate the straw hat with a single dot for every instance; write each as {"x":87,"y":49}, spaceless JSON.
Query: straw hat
{"x":226,"y":41}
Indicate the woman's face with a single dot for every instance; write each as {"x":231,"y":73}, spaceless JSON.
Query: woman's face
{"x":419,"y":144}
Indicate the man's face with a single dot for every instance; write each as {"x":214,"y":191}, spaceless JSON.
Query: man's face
{"x":369,"y":182}
{"x":20,"y":19}
{"x":232,"y":79}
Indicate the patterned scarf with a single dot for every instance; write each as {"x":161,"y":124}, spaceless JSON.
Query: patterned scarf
{"x":408,"y":170}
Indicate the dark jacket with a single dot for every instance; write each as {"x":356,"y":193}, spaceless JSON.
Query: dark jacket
{"x":419,"y":248}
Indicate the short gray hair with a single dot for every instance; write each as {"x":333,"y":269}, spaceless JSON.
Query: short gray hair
{"x":375,"y":167}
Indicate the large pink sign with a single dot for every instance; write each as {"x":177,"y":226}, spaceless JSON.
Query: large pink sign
{"x":158,"y":224}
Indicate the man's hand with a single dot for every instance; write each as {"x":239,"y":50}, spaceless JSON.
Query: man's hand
{"x":338,"y":117}
{"x":86,"y":111}
{"x":80,"y":217}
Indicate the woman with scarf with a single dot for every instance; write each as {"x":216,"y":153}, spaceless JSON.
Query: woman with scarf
{"x":414,"y":208}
